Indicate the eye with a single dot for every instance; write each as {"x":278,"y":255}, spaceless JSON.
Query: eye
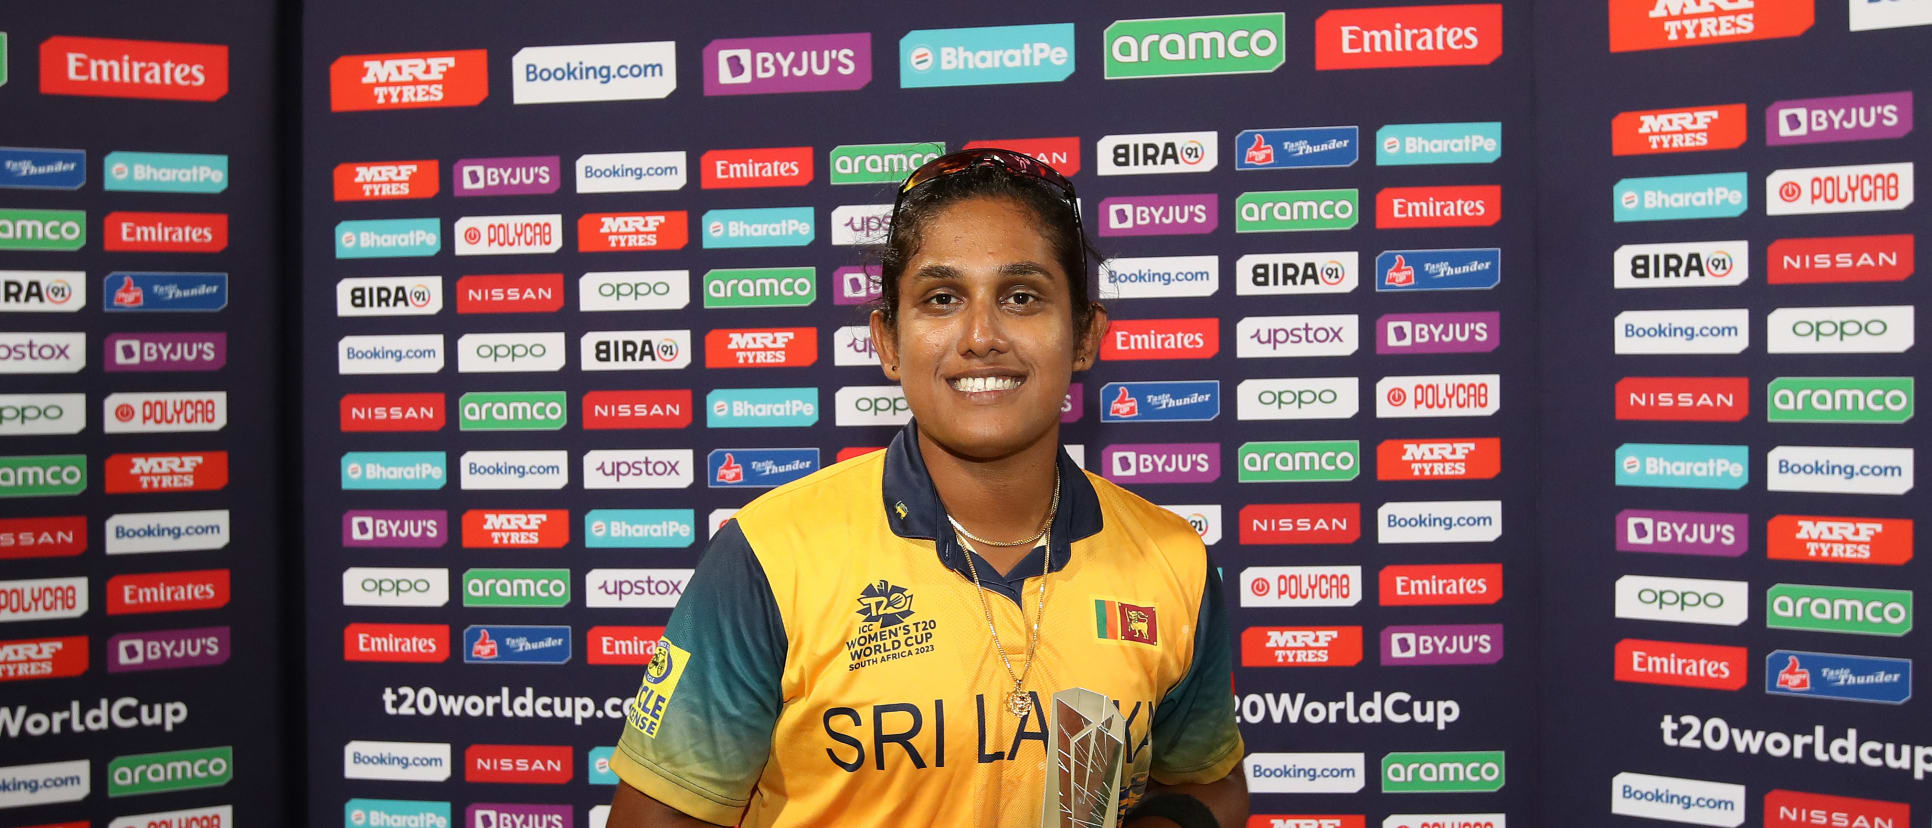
{"x":942,"y":299}
{"x":1023,"y":297}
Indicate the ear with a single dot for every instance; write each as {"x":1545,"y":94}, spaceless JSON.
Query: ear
{"x":1089,"y":346}
{"x":887,"y":346}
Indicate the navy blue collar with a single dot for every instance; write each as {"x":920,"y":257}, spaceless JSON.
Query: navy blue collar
{"x":913,"y":510}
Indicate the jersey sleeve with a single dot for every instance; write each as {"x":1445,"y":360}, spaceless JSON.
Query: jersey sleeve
{"x":698,"y":732}
{"x":1195,"y":737}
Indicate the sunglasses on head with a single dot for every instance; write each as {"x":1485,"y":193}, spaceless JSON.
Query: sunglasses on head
{"x":1013,"y":163}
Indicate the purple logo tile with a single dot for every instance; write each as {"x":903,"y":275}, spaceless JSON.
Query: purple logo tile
{"x":522,"y":175}
{"x":395,"y":528}
{"x":1849,"y":118}
{"x":1161,"y":462}
{"x":855,"y":285}
{"x":767,"y":65}
{"x":1169,"y":215}
{"x":1438,"y":333}
{"x":1076,"y":403}
{"x":1724,"y":534}
{"x":167,"y":649}
{"x":166,"y":351}
{"x":1439,"y":644}
{"x":507,"y":815}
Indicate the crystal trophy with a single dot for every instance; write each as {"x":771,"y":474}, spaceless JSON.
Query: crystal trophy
{"x":1088,"y":748}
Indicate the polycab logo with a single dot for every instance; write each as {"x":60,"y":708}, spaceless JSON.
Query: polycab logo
{"x":1440,"y":585}
{"x":1062,"y":154}
{"x":1161,"y":462}
{"x":387,"y":180}
{"x":1439,"y":333}
{"x":631,"y":172}
{"x":1456,"y":35}
{"x":218,"y":816}
{"x":390,"y":586}
{"x":1129,"y":339}
{"x":1445,"y":821}
{"x":1442,"y":645}
{"x":157,"y":70}
{"x":509,"y":235}
{"x":771,"y":65}
{"x":760,"y":167}
{"x":1637,"y":25}
{"x":144,"y":532}
{"x":637,"y":409}
{"x":43,"y":537}
{"x":1840,"y":259}
{"x":1683,"y":264}
{"x":1160,"y":277}
{"x":42,"y":291}
{"x":1439,"y":521}
{"x":389,"y":296}
{"x":1722,"y":534}
{"x":1179,"y":401}
{"x":1838,"y":677}
{"x":1668,"y":798}
{"x":42,"y":599}
{"x":1694,"y":399}
{"x":595,"y":72}
{"x":1673,"y":197}
{"x":164,"y":412}
{"x":1469,"y":458}
{"x":198,"y":471}
{"x":1444,"y":395}
{"x":1269,"y":274}
{"x":1297,"y":336}
{"x":1301,"y":647}
{"x":395,"y":528}
{"x":634,"y":351}
{"x":510,"y":293}
{"x":1160,"y":215}
{"x":1795,"y":809}
{"x":1315,"y":398}
{"x":29,"y":414}
{"x":1858,"y":540}
{"x":1848,"y":118}
{"x":1886,"y":612}
{"x":167,"y":592}
{"x":1872,"y":329}
{"x":1713,"y":331}
{"x":409,"y":80}
{"x":760,"y":347}
{"x":615,"y":232}
{"x":1478,"y":268}
{"x":1297,"y":148}
{"x":986,"y":55}
{"x":516,"y":528}
{"x":392,"y":412}
{"x":43,"y":658}
{"x":1227,"y":44}
{"x":1678,"y":664}
{"x":638,"y":469}
{"x":1683,"y":129}
{"x":1683,"y":600}
{"x":1461,"y":206}
{"x":621,"y":645}
{"x":523,"y":175}
{"x":1854,"y":188}
{"x":165,"y":232}
{"x":518,"y":764}
{"x":1158,"y":152}
{"x":1284,"y":524}
{"x":1301,"y":586}
{"x":414,"y":643}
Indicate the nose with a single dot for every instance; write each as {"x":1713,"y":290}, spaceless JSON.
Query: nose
{"x":985,"y":331}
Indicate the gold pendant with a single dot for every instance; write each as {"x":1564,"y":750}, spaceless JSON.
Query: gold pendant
{"x":1020,"y":703}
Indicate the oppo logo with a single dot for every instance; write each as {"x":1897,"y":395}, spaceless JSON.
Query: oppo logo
{"x":1683,"y":600}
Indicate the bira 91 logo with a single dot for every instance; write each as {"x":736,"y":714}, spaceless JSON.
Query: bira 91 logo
{"x":1838,"y":677}
{"x":1795,"y":809}
{"x":1301,"y":647}
{"x":43,"y":537}
{"x":1468,"y":458}
{"x":1637,"y":25}
{"x":1440,"y":585}
{"x":43,"y":658}
{"x":409,"y":80}
{"x":1848,"y":118}
{"x":614,"y":232}
{"x":518,"y":764}
{"x":759,"y":167}
{"x":392,"y":412}
{"x":1664,"y":532}
{"x":387,"y":180}
{"x":510,"y":293}
{"x":42,"y":291}
{"x":157,"y":70}
{"x":1834,"y":259}
{"x":1456,"y":35}
{"x":761,"y":348}
{"x":1854,"y":188}
{"x":1694,"y":399}
{"x":1132,"y":339}
{"x":1301,"y":586}
{"x":1686,"y":264}
{"x":413,"y":643}
{"x":165,"y":232}
{"x":198,"y":471}
{"x":1282,"y":524}
{"x":167,"y":592}
{"x":389,"y":296}
{"x":1160,"y":215}
{"x":1683,"y":129}
{"x":1856,"y":540}
{"x":1297,"y":273}
{"x":1158,"y":152}
{"x":1679,"y":664}
{"x":634,"y":351}
{"x":772,"y":65}
{"x":1062,"y":154}
{"x":637,"y":409}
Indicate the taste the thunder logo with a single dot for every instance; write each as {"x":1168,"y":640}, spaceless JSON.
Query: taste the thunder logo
{"x":887,"y":630}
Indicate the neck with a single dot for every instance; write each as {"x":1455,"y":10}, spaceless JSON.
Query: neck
{"x":1002,"y":499}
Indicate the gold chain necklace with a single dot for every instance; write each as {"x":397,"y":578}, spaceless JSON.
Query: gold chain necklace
{"x":1052,"y":509}
{"x":1017,"y":701}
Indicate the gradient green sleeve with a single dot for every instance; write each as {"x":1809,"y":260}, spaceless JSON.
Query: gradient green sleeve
{"x":698,"y":733}
{"x":1195,"y":737}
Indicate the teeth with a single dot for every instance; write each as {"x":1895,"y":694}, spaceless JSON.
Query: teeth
{"x":972,"y":384}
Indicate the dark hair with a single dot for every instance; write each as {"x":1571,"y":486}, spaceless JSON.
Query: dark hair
{"x":1054,"y":213}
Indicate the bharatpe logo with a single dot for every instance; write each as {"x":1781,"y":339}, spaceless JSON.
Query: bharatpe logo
{"x":1157,"y":152}
{"x":43,"y":475}
{"x":178,"y":770}
{"x":1228,"y":44}
{"x":1672,"y":799}
{"x":1160,"y":277}
{"x":1295,"y":210}
{"x":1161,"y":462}
{"x":1714,"y":331}
{"x":1839,"y":469}
{"x":1312,"y":461}
{"x":986,"y":55}
{"x":1683,"y":466}
{"x":1463,"y":771}
{"x":1477,"y":332}
{"x":1857,"y":188}
{"x":164,"y":172}
{"x":1872,"y":400}
{"x":499,"y":644}
{"x":62,"y":230}
{"x":1276,"y":274}
{"x":373,"y":813}
{"x":1298,"y":148}
{"x":1847,"y":118}
{"x":639,"y":528}
{"x":1311,"y":398}
{"x":1838,"y":677}
{"x":1169,"y":215}
{"x":1470,"y":142}
{"x":595,"y":72}
{"x":1673,"y":197}
{"x":516,"y":588}
{"x":1722,"y":534}
{"x":386,"y":470}
{"x":1168,"y":402}
{"x":761,"y":407}
{"x":758,"y":468}
{"x":767,"y":287}
{"x":1853,"y":610}
{"x":32,"y":168}
{"x":759,"y":227}
{"x":1442,"y":645}
{"x":1305,"y":773}
{"x":388,"y":238}
{"x":769,"y":65}
{"x":1682,"y":264}
{"x":880,"y":163}
{"x":1683,"y":600}
{"x":1871,"y":329}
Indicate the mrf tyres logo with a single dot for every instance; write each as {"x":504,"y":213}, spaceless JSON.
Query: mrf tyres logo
{"x":1637,"y":25}
{"x":1683,"y":129}
{"x":408,"y":80}
{"x":1228,"y":44}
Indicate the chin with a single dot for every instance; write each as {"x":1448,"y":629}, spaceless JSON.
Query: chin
{"x":987,"y":439}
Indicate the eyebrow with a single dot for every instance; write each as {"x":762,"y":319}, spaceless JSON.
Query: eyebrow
{"x":942,"y":272}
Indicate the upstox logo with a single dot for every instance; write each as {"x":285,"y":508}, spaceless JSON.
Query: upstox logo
{"x":1463,"y":771}
{"x":1683,"y":466}
{"x":43,"y":229}
{"x":767,"y":287}
{"x":1839,"y":400}
{"x":986,"y":55}
{"x":514,"y":411}
{"x":1672,"y":197}
{"x":179,"y":770}
{"x":1836,"y":609}
{"x":1227,"y":44}
{"x":880,"y":163}
{"x":1300,"y":462}
{"x":1289,"y":210}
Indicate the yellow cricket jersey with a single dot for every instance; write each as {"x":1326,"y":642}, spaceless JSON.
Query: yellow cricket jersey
{"x":830,"y":663}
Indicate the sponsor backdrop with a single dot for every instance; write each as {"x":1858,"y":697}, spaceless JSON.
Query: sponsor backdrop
{"x":142,"y":643}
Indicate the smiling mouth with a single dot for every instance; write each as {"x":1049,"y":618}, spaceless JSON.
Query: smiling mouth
{"x":977,"y":384}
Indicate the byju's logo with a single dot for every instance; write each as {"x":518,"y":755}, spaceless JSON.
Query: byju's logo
{"x":758,"y":468}
{"x":1163,"y":215}
{"x":1459,"y":269}
{"x":1839,"y":469}
{"x":1682,"y":264}
{"x":1442,"y":645}
{"x":1228,"y":44}
{"x":1158,"y":152}
{"x":1683,"y":466}
{"x":594,"y":72}
{"x":1838,"y":677}
{"x":1672,"y":197}
{"x":168,"y":649}
{"x":1182,"y":401}
{"x":527,"y":175}
{"x":32,"y":168}
{"x":1847,"y":118}
{"x":639,"y":528}
{"x":1471,"y":142}
{"x":1439,"y":333}
{"x":1683,"y":600}
{"x":1856,"y":188}
{"x":1297,"y":148}
{"x":1723,"y":534}
{"x":388,"y":238}
{"x":809,"y":63}
{"x":164,"y":172}
{"x":395,"y":528}
{"x":986,"y":55}
{"x":1271,"y":274}
{"x":759,"y":227}
{"x":1161,"y":462}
